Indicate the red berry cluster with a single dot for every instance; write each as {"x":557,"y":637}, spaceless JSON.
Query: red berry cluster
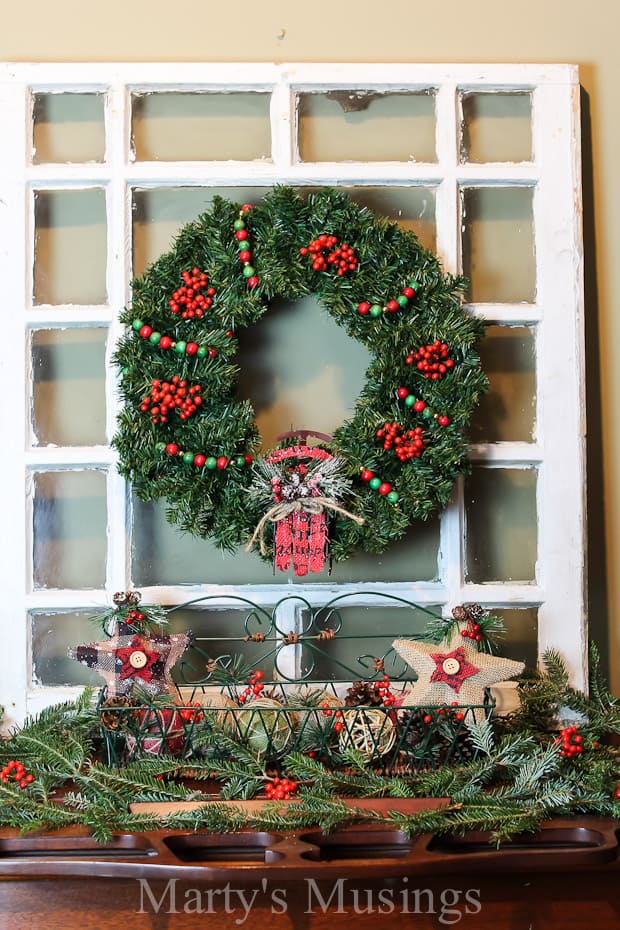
{"x":134,"y":616}
{"x":166,"y":396}
{"x":342,"y":257}
{"x":16,"y":771}
{"x":432,"y":360}
{"x":472,"y":631}
{"x":245,"y":255}
{"x":571,"y":742}
{"x":406,"y":445}
{"x":195,"y":297}
{"x":280,"y":789}
{"x":385,"y":692}
{"x":443,"y":712}
{"x":254,"y":687}
{"x":189,"y":714}
{"x":328,"y":711}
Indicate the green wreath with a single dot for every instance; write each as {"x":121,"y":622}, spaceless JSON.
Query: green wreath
{"x":186,"y":436}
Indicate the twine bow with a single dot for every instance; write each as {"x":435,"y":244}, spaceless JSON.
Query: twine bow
{"x":312,"y":505}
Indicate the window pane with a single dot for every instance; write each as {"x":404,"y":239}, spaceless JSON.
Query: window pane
{"x":52,"y":634}
{"x":300,"y":369}
{"x":68,"y":402}
{"x":158,"y":215}
{"x":221,"y":634}
{"x":70,"y":247}
{"x":200,"y":126}
{"x":500,"y":507}
{"x":411,"y":207}
{"x":508,"y":412}
{"x":68,"y":128}
{"x":366,"y":633}
{"x":163,"y":556}
{"x":521,"y":640}
{"x":69,"y":526}
{"x":367,"y":126}
{"x":496,"y":127}
{"x":498,"y":244}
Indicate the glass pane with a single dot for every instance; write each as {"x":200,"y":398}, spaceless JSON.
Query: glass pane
{"x":367,"y":126}
{"x":200,"y":126}
{"x":366,"y":633}
{"x":496,"y":127}
{"x":70,"y":247}
{"x":300,"y":369}
{"x":521,"y":640}
{"x":68,"y":402}
{"x":500,"y":507}
{"x":411,"y":207}
{"x":52,"y":634}
{"x":161,"y":555}
{"x":68,"y":128}
{"x":158,"y":215}
{"x":218,"y":634}
{"x":69,"y":529}
{"x":498,"y":244}
{"x":508,"y":411}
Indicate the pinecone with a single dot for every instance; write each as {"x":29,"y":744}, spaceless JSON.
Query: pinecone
{"x":413,"y":728}
{"x":476,"y":612}
{"x":463,"y":749}
{"x":460,"y":613}
{"x":362,"y":693}
{"x":112,"y":716}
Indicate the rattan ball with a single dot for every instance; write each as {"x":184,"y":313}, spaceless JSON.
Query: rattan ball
{"x":368,"y":730}
{"x":266,"y":726}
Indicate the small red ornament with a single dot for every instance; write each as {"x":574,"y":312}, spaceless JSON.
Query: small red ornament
{"x":385,"y":488}
{"x":199,"y":460}
{"x":366,"y":474}
{"x":222,"y":462}
{"x":241,"y":235}
{"x":443,"y":421}
{"x":145,"y":331}
{"x":252,"y":282}
{"x":363,"y":308}
{"x":165,"y":342}
{"x":172,"y":448}
{"x":191,"y":348}
{"x":402,"y":392}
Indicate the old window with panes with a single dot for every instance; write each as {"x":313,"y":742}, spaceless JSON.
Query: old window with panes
{"x":100,"y":167}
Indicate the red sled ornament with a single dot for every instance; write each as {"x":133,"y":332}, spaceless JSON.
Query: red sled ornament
{"x":303,"y":483}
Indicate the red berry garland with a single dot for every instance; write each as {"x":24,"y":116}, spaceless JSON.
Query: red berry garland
{"x":388,"y":698}
{"x":571,"y":742}
{"x":166,"y":396}
{"x":191,"y":713}
{"x":195,"y":297}
{"x":166,"y":342}
{"x":432,"y":360}
{"x":451,"y":711}
{"x":243,"y":244}
{"x":472,"y":631}
{"x":16,"y":771}
{"x":342,"y":257}
{"x":406,"y":445}
{"x":420,"y":406}
{"x":365,"y":308}
{"x":383,"y":487}
{"x":280,"y":789}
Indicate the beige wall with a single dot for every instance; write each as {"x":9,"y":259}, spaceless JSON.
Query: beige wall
{"x":400,"y":30}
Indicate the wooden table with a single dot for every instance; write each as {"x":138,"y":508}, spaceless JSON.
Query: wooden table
{"x":568,"y":878}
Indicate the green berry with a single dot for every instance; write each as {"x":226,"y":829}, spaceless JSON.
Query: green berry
{"x":238,"y":224}
{"x":393,"y":497}
{"x":137,"y":325}
{"x":409,"y":400}
{"x":202,"y":352}
{"x":402,"y":301}
{"x":211,"y":463}
{"x":428,"y":413}
{"x":188,"y":458}
{"x":240,"y":461}
{"x":154,"y":338}
{"x":248,"y":271}
{"x":375,"y":483}
{"x":180,"y":347}
{"x":376,"y":311}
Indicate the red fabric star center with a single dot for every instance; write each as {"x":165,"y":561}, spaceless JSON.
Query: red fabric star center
{"x":143,"y":660}
{"x":452,"y":668}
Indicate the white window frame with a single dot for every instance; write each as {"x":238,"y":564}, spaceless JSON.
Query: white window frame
{"x":558,"y":453}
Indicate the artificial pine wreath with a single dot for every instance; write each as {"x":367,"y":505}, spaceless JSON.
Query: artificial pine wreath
{"x":185,"y":434}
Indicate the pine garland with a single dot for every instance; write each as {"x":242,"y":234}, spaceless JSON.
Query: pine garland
{"x":518,"y":779}
{"x":213,"y":501}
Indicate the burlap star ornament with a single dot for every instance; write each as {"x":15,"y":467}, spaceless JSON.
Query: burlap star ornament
{"x":453,"y":671}
{"x":130,"y":659}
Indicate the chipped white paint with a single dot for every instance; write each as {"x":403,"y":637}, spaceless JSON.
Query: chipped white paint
{"x":557,"y":316}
